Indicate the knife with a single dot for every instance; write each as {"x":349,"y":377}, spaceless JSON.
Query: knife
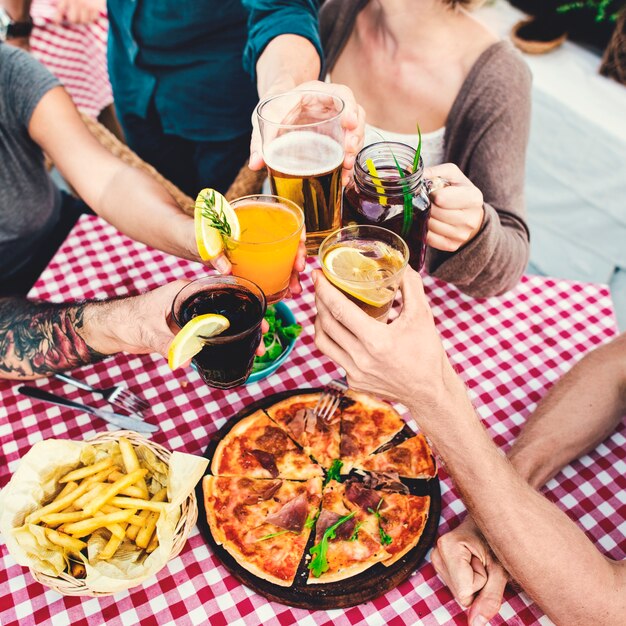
{"x":121,"y":421}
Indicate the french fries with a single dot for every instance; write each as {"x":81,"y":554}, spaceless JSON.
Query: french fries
{"x":107,"y":499}
{"x":109,"y":492}
{"x":131,"y":462}
{"x":65,"y":541}
{"x":83,"y":472}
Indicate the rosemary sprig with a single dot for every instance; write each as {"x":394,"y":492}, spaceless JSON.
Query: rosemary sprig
{"x":385,"y":539}
{"x":216,"y":215}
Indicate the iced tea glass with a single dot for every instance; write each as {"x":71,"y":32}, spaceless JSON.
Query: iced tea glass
{"x":226,"y":360}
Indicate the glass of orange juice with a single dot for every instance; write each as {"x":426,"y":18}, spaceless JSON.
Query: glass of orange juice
{"x":267,"y":246}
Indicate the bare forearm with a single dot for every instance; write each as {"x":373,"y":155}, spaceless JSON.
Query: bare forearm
{"x":539,"y":546}
{"x":18,"y":10}
{"x":125,"y":196}
{"x":140,"y":208}
{"x":287,"y":61}
{"x":39,"y":338}
{"x":579,"y":412}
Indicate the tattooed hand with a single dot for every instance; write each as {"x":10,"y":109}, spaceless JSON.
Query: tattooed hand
{"x":41,"y":338}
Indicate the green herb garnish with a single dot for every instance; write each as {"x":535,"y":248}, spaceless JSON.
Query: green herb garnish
{"x":385,"y":539}
{"x":418,"y":152}
{"x":275,"y":339}
{"x":355,"y":534}
{"x":215,"y":216}
{"x":319,"y":562}
{"x":334,"y":472}
{"x":407,"y":216}
{"x":278,"y":534}
{"x":310,"y":521}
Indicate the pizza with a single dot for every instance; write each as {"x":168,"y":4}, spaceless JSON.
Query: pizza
{"x":297,"y":500}
{"x":319,"y":438}
{"x":258,"y":448}
{"x":361,"y":437}
{"x":264,"y":523}
{"x":411,"y":458}
{"x":342,"y":547}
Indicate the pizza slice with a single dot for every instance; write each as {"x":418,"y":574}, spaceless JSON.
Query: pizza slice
{"x":412,"y":458}
{"x":342,"y":548}
{"x":366,"y":424}
{"x":257,"y":447}
{"x":397,"y":518}
{"x":263,"y":524}
{"x":319,"y":438}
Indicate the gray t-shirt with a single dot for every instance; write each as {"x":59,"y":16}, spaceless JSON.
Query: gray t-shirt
{"x":29,"y":200}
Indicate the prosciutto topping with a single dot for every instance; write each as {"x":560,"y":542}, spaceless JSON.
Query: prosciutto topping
{"x":296,"y":423}
{"x":348,"y":446}
{"x":327,"y":519}
{"x":305,"y":420}
{"x":387,"y":481}
{"x":363,"y":497}
{"x":264,"y":494}
{"x":292,"y":515}
{"x":310,"y":421}
{"x":266,"y":460}
{"x":274,"y":440}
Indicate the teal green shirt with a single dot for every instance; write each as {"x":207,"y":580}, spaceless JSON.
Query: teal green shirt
{"x":196,"y":58}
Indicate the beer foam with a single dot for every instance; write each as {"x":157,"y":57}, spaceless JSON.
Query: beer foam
{"x":304,"y":153}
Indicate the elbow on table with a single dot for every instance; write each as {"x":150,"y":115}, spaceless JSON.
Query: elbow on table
{"x":496,"y":280}
{"x":489,"y":266}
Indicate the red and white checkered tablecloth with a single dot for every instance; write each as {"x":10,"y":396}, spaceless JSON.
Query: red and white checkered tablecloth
{"x":75,"y":54}
{"x":508,"y":349}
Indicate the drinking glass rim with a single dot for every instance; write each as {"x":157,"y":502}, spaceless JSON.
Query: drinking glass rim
{"x":348,"y":281}
{"x":303,"y":126}
{"x":282,"y":200}
{"x":224,"y":280}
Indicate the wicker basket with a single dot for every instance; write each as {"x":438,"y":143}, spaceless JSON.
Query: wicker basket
{"x":68,"y":585}
{"x":534,"y":47}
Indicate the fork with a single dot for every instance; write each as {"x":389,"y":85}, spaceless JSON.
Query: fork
{"x":116,"y":395}
{"x":330,"y":398}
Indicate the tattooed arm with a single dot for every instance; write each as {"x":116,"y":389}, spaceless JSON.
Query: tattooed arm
{"x":41,"y":338}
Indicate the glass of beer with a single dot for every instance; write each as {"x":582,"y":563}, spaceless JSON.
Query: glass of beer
{"x":268,"y":244}
{"x":366,"y":263}
{"x":302,"y":142}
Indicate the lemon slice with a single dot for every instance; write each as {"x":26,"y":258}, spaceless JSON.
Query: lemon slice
{"x":209,"y":239}
{"x":189,"y":339}
{"x":349,"y":264}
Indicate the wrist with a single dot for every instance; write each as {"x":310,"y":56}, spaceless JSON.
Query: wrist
{"x":281,"y":84}
{"x":443,"y":389}
{"x":106,"y":325}
{"x":443,"y":409}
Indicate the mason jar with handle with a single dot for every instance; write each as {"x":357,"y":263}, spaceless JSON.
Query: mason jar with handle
{"x":380,"y":196}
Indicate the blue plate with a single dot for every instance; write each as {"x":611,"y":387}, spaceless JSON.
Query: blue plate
{"x":284,"y":313}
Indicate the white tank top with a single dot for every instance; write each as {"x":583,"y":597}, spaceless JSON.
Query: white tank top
{"x":432,"y":143}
